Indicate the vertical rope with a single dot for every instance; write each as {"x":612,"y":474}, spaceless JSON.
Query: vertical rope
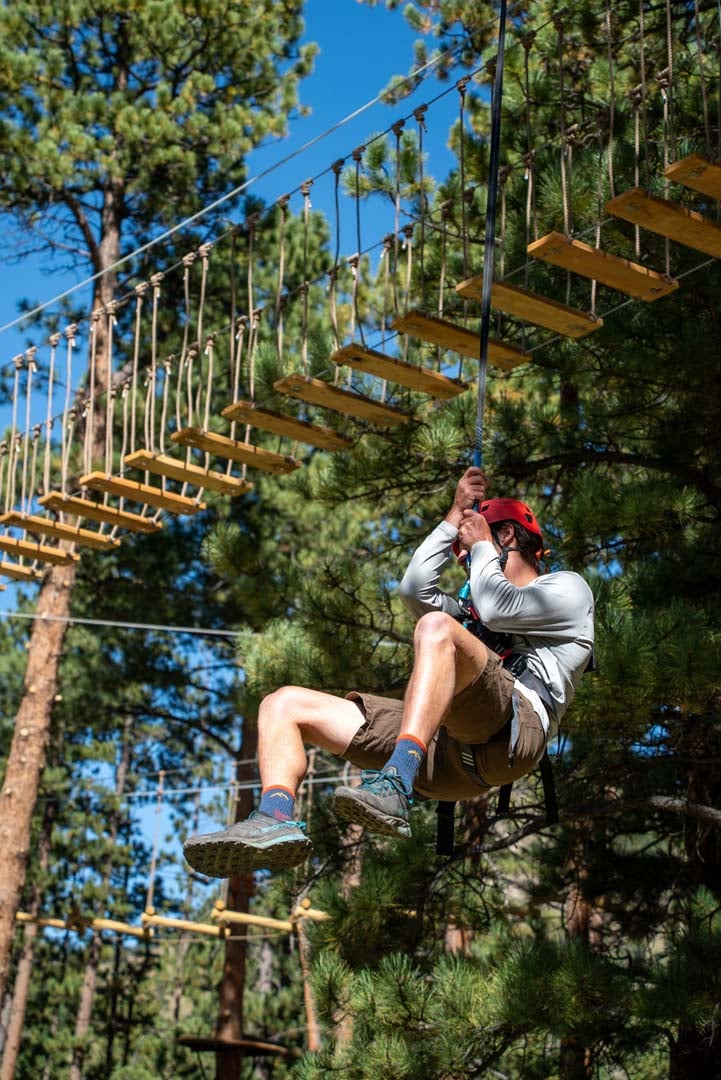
{"x":461,"y":87}
{"x":203,"y":252}
{"x":565,"y":178}
{"x":68,"y":423}
{"x":397,"y":129}
{"x":125,"y":394}
{"x":37,"y":430}
{"x":155,"y":281}
{"x":670,"y":66}
{"x":358,"y":157}
{"x":237,"y":338}
{"x":408,"y":246}
{"x":489,"y":248}
{"x":636,"y":102}
{"x":54,"y":342}
{"x":420,"y":116}
{"x":3,"y":463}
{"x":702,"y":76}
{"x":90,"y":401}
{"x":110,"y":391}
{"x":664,"y":84}
{"x":527,"y":41}
{"x":305,"y":288}
{"x":140,"y":291}
{"x":10,"y":496}
{"x":188,"y":261}
{"x":644,"y":95}
{"x":337,"y":167}
{"x":612,"y":100}
{"x":167,"y":368}
{"x":282,"y":204}
{"x":31,"y":369}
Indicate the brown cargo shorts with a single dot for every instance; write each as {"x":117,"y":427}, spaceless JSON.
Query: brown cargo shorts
{"x":480,"y":716}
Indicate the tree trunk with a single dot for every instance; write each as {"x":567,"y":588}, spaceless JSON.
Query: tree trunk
{"x":26,"y":760}
{"x":21,"y":989}
{"x":229,"y":1023}
{"x":695,"y":1054}
{"x":90,"y":976}
{"x":582,"y":924}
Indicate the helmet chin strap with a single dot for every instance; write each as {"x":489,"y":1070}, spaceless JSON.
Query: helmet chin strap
{"x":505,"y":549}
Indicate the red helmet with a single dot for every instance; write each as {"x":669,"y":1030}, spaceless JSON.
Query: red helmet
{"x":497,"y":510}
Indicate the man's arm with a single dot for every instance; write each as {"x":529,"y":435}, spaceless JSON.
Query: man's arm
{"x":555,"y":604}
{"x":419,"y":587}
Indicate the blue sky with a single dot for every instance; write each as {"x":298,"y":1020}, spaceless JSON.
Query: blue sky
{"x":361,"y":48}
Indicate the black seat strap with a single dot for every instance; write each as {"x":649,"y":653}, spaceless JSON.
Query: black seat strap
{"x":504,"y":798}
{"x":445,"y":831}
{"x":549,"y":789}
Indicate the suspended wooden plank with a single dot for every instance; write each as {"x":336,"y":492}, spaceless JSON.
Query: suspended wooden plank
{"x":82,"y":537}
{"x":93,"y":511}
{"x":37,"y":551}
{"x":458,"y":339}
{"x":18,"y":572}
{"x":162,"y":465}
{"x":668,"y":219}
{"x":86,"y":924}
{"x":698,"y":173}
{"x":235,"y":450}
{"x":149,"y":918}
{"x":142,"y":493}
{"x":621,"y":274}
{"x":424,"y":380}
{"x":243,"y":1047}
{"x":278,"y":424}
{"x":317,"y":392}
{"x":527,"y":305}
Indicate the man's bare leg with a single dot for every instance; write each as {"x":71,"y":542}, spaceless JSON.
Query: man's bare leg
{"x":292,"y":717}
{"x":447,"y":660}
{"x":287,"y":718}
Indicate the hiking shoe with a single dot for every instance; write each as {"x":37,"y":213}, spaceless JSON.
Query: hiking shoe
{"x":382,"y":803}
{"x":259,"y":843}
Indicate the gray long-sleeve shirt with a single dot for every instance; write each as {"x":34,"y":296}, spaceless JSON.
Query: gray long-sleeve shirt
{"x":550,"y":620}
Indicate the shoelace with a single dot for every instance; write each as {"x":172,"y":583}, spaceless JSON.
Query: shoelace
{"x":272,"y":824}
{"x":393,"y":780}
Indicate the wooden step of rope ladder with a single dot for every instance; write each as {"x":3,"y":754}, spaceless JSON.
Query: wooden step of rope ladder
{"x":33,"y":550}
{"x":172,"y":469}
{"x":18,"y":572}
{"x":317,"y":392}
{"x":458,"y":339}
{"x":611,"y":270}
{"x":234,"y":450}
{"x":324,"y":438}
{"x":96,"y":511}
{"x":667,"y":219}
{"x":697,"y":173}
{"x":33,"y":523}
{"x":142,"y":493}
{"x":533,"y":308}
{"x":423,"y":380}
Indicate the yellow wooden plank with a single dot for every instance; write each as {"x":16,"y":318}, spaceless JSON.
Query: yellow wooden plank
{"x":533,"y":308}
{"x":324,"y":438}
{"x":19,"y":573}
{"x":424,"y":380}
{"x":37,"y":551}
{"x":458,"y":339}
{"x":235,"y":450}
{"x":162,"y":465}
{"x":317,"y":392}
{"x":82,"y":537}
{"x":668,"y":219}
{"x":698,"y":173}
{"x":93,"y":511}
{"x":621,"y":274}
{"x":142,"y":493}
{"x":149,"y":918}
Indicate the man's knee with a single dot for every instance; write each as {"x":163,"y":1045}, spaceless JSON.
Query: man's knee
{"x":436,"y":626}
{"x":282,"y":705}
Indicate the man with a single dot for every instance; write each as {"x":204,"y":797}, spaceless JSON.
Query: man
{"x":467,"y":723}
